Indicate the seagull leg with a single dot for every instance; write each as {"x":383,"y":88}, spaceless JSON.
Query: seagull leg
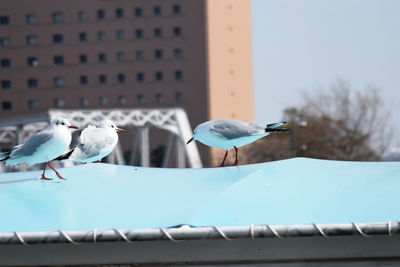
{"x":44,"y":170}
{"x":58,"y":175}
{"x":236,"y":161}
{"x":223,"y":162}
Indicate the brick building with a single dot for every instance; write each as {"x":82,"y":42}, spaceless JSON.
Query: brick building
{"x":194,"y":54}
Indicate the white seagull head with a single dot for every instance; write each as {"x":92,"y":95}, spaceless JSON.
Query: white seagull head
{"x":108,"y":124}
{"x":61,"y":122}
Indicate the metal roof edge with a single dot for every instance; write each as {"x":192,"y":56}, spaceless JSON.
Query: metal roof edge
{"x":185,"y":232}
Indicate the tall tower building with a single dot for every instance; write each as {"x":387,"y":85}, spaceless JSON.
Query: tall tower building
{"x":71,"y":54}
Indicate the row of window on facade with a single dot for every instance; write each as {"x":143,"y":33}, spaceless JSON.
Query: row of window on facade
{"x":32,"y":40}
{"x":101,"y":58}
{"x":101,"y":14}
{"x":102,"y":79}
{"x":103,"y":101}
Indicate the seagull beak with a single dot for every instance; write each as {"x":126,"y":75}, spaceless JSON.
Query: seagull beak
{"x":73,"y":127}
{"x":120,"y":130}
{"x":190,"y":140}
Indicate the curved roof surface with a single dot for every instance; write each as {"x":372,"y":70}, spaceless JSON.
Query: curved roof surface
{"x":295,"y":191}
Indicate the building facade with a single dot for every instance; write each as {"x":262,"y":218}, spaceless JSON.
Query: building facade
{"x":126,"y":54}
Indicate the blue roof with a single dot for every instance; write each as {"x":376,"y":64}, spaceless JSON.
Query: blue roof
{"x":295,"y":191}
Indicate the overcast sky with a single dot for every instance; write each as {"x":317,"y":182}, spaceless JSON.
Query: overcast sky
{"x":304,"y":44}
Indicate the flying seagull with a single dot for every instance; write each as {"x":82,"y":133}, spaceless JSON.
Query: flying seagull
{"x":95,"y":143}
{"x":228,"y":134}
{"x":43,"y":146}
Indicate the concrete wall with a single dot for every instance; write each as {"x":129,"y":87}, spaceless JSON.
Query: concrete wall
{"x":230,"y":64}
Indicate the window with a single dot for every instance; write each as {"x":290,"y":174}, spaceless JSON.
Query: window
{"x":6,"y":105}
{"x":140,"y":77}
{"x":139,"y":33}
{"x":84,"y":102}
{"x":4,"y":20}
{"x":59,"y":82}
{"x":57,"y":17}
{"x":159,"y":76}
{"x":158,"y":54}
{"x":103,"y":100}
{"x":33,"y":83}
{"x":179,"y":97}
{"x":138,"y":12}
{"x":141,"y":99}
{"x":102,"y":78}
{"x":158,"y":32}
{"x":6,"y":84}
{"x":139,"y":55}
{"x":120,"y":56}
{"x":82,"y":15}
{"x":32,"y":104}
{"x":119,"y":13}
{"x":84,"y":80}
{"x":59,"y":102}
{"x":82,"y":37}
{"x":31,"y":19}
{"x":159,"y":98}
{"x":32,"y":61}
{"x":177,"y":31}
{"x":122,"y":99}
{"x":58,"y":60}
{"x":102,"y":57}
{"x":178,"y":75}
{"x":101,"y":36}
{"x":101,"y":14}
{"x":157,"y":10}
{"x":82,"y":58}
{"x":4,"y":41}
{"x":178,"y":53}
{"x":5,"y":63}
{"x":120,"y":35}
{"x":176,"y":9}
{"x":31,"y":40}
{"x":121,"y":78}
{"x":57,"y":38}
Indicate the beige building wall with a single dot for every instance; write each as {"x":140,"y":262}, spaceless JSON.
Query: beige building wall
{"x":230,"y":65}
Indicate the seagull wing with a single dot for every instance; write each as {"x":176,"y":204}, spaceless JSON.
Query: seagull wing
{"x":31,"y":145}
{"x":232,"y":129}
{"x":93,"y":141}
{"x":86,"y":134}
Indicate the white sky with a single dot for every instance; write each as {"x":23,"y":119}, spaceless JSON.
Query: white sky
{"x":303,"y":44}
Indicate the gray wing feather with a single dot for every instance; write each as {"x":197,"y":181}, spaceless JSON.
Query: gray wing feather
{"x":94,"y":149}
{"x":232,"y":129}
{"x":88,"y":147}
{"x":31,"y":145}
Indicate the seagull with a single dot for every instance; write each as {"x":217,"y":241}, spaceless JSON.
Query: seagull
{"x":43,"y":146}
{"x":95,"y":143}
{"x":229,"y":133}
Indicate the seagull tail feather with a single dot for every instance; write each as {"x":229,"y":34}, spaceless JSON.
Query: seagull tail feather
{"x":5,"y":156}
{"x":66,"y":155}
{"x":272,"y":128}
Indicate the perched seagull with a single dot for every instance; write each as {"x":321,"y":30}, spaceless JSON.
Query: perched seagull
{"x":95,"y":143}
{"x":228,"y":134}
{"x":43,"y":146}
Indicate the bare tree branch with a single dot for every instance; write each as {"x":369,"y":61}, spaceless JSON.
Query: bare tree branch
{"x":342,"y":124}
